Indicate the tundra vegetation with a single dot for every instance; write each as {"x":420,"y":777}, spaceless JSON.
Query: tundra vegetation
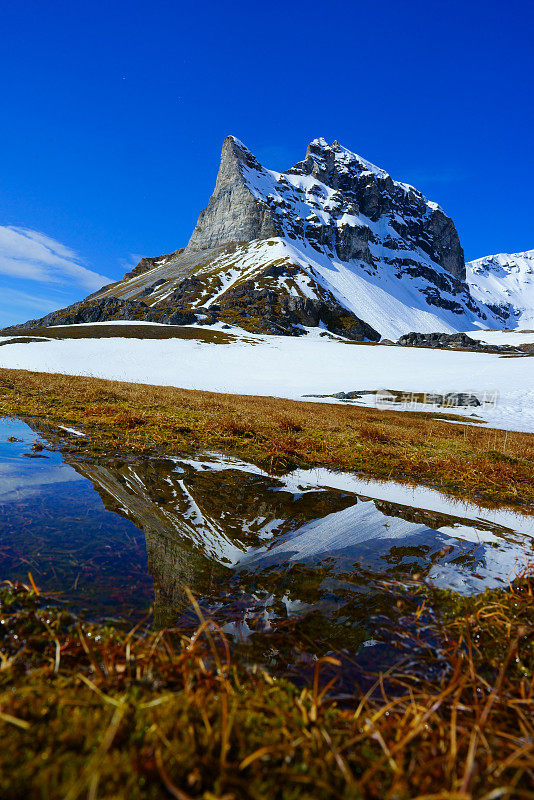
{"x":89,"y":710}
{"x":96,"y":710}
{"x":487,"y":465}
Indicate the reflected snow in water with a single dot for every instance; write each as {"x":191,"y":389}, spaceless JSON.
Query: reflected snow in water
{"x":116,"y":535}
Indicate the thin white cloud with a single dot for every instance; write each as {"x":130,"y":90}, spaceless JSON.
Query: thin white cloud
{"x":131,"y":261}
{"x":14,"y":298}
{"x":32,"y":255}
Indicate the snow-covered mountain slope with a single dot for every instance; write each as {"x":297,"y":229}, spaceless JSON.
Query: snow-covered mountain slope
{"x":505,"y":282}
{"x":332,"y":242}
{"x":391,"y":303}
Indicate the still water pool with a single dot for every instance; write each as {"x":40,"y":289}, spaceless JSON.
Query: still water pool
{"x":116,"y":537}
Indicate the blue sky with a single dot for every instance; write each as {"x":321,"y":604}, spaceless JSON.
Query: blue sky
{"x":112,"y":116}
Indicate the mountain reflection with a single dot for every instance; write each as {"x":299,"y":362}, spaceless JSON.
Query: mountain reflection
{"x":246,"y":543}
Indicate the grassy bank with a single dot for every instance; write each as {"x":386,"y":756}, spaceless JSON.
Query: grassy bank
{"x":97,"y":712}
{"x":468,"y":461}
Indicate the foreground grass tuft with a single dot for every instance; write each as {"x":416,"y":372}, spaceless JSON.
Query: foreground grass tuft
{"x":488,"y":465}
{"x":93,"y":711}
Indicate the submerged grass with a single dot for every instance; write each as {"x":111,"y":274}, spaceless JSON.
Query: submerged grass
{"x":488,"y":465}
{"x":93,"y":711}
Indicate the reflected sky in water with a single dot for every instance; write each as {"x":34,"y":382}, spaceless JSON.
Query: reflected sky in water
{"x":115,"y":536}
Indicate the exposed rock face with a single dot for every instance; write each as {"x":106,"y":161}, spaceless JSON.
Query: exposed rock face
{"x":233,"y":213}
{"x":106,"y":310}
{"x":259,"y":306}
{"x":360,"y":188}
{"x":149,"y":263}
{"x":460,"y":399}
{"x":456,"y":340}
{"x":276,"y":312}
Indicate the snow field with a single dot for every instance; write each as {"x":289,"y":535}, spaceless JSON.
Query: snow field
{"x":289,"y":367}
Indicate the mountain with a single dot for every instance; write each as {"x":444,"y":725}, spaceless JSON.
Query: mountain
{"x":332,"y":242}
{"x":505,"y":283}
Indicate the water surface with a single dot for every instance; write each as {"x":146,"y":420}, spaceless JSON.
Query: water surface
{"x":314,"y":552}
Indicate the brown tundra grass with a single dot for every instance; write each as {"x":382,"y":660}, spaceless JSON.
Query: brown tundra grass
{"x":90,"y":711}
{"x":467,"y":460}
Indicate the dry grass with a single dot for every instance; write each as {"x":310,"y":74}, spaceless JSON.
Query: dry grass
{"x":88,"y":711}
{"x":131,"y":331}
{"x":489,"y":465}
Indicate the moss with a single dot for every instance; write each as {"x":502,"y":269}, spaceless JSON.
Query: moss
{"x":91,"y":710}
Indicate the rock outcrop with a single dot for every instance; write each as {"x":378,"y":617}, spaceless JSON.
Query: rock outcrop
{"x":148,"y":263}
{"x":108,"y":309}
{"x":458,"y":341}
{"x":452,"y":341}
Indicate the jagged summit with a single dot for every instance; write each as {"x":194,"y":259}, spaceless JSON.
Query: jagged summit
{"x":232,"y":215}
{"x":331,"y":242}
{"x":319,"y":150}
{"x":334,"y":200}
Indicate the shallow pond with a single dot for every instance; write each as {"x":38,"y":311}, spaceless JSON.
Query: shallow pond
{"x":313,"y":552}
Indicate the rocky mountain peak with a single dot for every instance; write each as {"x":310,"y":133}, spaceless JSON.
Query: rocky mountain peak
{"x":335,"y":201}
{"x":233,"y":213}
{"x":333,"y":243}
{"x":328,"y":161}
{"x":234,"y":154}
